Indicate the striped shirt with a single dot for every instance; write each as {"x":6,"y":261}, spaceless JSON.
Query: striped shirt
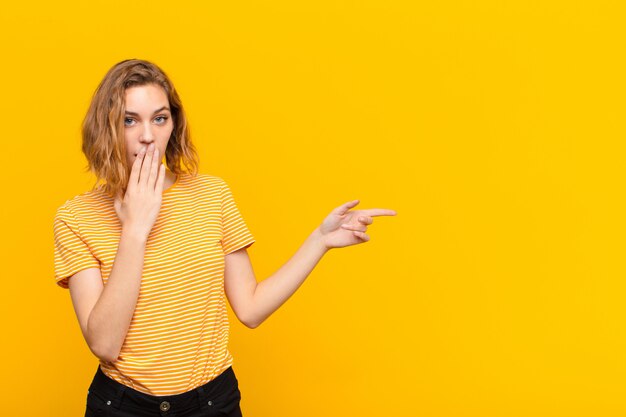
{"x":178,"y":335}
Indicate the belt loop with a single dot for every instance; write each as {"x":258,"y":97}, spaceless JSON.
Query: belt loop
{"x":117,"y":402}
{"x":201,"y":395}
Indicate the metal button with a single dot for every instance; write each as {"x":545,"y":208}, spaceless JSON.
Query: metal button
{"x":164,"y":406}
{"x":210,"y":402}
{"x":108,"y":402}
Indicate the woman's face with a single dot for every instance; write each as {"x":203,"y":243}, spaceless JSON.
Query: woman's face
{"x":147,"y":120}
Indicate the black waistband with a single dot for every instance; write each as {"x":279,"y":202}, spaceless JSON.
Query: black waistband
{"x":116,"y":394}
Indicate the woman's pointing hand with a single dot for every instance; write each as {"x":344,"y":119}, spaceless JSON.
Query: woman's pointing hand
{"x":343,"y":227}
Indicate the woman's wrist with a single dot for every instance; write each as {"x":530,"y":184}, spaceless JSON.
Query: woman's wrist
{"x":133,"y":235}
{"x":317,"y":238}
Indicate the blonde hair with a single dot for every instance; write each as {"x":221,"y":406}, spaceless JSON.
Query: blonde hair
{"x":103,"y":127}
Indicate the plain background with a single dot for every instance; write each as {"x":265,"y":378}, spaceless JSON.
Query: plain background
{"x":494,"y":128}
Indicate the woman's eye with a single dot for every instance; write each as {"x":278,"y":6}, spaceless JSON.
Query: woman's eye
{"x":128,"y":121}
{"x":162,"y":119}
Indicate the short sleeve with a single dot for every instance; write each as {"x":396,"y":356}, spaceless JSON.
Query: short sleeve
{"x":235,"y":232}
{"x":71,"y":252}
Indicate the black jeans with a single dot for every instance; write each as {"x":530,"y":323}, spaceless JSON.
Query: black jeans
{"x":219,"y":397}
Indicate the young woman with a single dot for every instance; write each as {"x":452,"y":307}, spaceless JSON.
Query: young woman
{"x":151,"y":254}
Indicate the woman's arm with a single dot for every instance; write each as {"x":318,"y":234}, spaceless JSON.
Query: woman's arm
{"x":105,"y":312}
{"x":254,"y":302}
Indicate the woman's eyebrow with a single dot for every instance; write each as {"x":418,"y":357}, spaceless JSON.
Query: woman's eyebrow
{"x":156,"y":111}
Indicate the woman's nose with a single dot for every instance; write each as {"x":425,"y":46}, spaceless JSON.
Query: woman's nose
{"x":147,"y":135}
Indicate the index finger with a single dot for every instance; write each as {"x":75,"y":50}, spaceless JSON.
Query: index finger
{"x":379,"y":212}
{"x":134,"y":173}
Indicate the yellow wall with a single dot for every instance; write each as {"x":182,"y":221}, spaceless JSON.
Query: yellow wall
{"x":494,"y":128}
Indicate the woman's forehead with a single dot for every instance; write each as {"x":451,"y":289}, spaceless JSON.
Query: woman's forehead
{"x":145,"y":97}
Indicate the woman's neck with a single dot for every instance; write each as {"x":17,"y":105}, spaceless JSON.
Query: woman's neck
{"x":170,"y":179}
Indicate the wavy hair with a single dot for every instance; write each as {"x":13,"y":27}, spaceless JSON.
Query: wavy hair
{"x":103,"y":127}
